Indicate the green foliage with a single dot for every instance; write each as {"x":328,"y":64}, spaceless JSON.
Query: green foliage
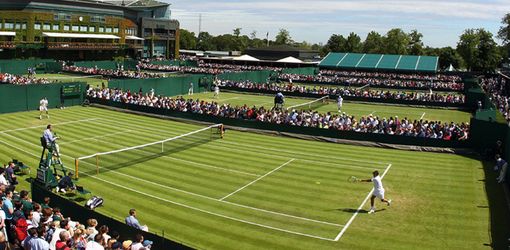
{"x":283,"y":38}
{"x":396,"y":42}
{"x":373,"y":43}
{"x":187,"y":39}
{"x":353,"y":43}
{"x":415,"y":46}
{"x":336,"y":43}
{"x":504,"y":31}
{"x":479,"y":50}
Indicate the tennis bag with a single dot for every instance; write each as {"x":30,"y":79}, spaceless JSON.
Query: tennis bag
{"x":94,"y":202}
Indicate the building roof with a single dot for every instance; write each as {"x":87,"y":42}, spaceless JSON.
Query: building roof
{"x":380,"y":62}
{"x":290,"y":59}
{"x":7,"y":33}
{"x":131,"y":3}
{"x":245,"y":58}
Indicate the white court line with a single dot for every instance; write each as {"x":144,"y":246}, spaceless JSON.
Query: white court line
{"x":226,"y":99}
{"x":268,"y":173}
{"x":362,"y":87}
{"x":359,"y":208}
{"x":203,"y":196}
{"x":180,"y":204}
{"x":422,"y":116}
{"x":95,"y":137}
{"x":55,"y":124}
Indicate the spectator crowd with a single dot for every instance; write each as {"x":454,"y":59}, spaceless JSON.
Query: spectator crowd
{"x":29,"y":225}
{"x":351,"y":92}
{"x":303,"y":118}
{"x":206,"y":68}
{"x":499,"y":93}
{"x":7,"y":78}
{"x":115,"y":73}
{"x":367,"y":79}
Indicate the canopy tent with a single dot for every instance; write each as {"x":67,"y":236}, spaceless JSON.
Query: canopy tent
{"x":7,"y":33}
{"x":246,"y":58}
{"x":290,"y":59}
{"x":134,"y":38}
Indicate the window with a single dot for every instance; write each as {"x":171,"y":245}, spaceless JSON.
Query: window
{"x":83,"y":28}
{"x":97,"y":19}
{"x":108,"y":30}
{"x":56,"y":27}
{"x":76,"y":28}
{"x":92,"y":29}
{"x":18,"y":26}
{"x":101,"y":29}
{"x":9,"y":26}
{"x":115,"y":30}
{"x":46,"y":26}
{"x":67,"y":27}
{"x":62,"y":17}
{"x":37,"y":26}
{"x":24,"y":26}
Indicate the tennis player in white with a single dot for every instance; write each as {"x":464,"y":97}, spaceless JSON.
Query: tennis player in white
{"x":339,"y":102}
{"x":216,"y":92}
{"x":43,"y":107}
{"x":378,"y":191}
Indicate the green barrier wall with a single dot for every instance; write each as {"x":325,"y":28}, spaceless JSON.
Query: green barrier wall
{"x":302,"y":71}
{"x":82,"y":214}
{"x":254,"y":76}
{"x":170,"y":86}
{"x":175,"y":63}
{"x":53,"y":67}
{"x":19,"y":67}
{"x":128,"y":64}
{"x":14,"y":98}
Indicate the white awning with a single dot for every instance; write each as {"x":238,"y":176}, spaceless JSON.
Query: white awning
{"x":134,"y":38}
{"x":79,"y":35}
{"x":246,"y":58}
{"x":7,"y":33}
{"x":290,"y":59}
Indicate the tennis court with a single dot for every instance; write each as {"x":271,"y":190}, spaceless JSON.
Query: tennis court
{"x":357,"y":109}
{"x":249,"y":191}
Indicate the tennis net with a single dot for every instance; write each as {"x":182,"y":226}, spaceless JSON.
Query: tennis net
{"x":315,"y":104}
{"x":112,"y":160}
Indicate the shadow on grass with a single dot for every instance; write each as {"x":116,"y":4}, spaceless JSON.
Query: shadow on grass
{"x":362,"y":211}
{"x":498,"y":209}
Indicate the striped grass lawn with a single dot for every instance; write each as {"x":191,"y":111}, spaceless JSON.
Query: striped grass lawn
{"x":250,"y":191}
{"x":352,"y":108}
{"x":66,"y":77}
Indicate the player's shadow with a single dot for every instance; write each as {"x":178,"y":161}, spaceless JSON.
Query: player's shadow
{"x":353,"y":210}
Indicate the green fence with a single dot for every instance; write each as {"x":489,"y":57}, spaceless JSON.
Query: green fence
{"x":82,"y":214}
{"x":128,"y":64}
{"x":302,"y":71}
{"x":14,"y":98}
{"x":20,"y":67}
{"x":170,"y":86}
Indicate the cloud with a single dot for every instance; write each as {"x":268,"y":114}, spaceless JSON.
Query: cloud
{"x":441,"y":22}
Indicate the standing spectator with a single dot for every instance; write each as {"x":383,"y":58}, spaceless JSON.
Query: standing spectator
{"x":39,"y":243}
{"x":62,"y":242}
{"x":132,"y":221}
{"x":3,"y":242}
{"x":36,"y":215}
{"x":147,"y":244}
{"x":32,"y":234}
{"x":339,"y":103}
{"x":103,"y":230}
{"x":501,"y":166}
{"x":9,"y":174}
{"x":95,"y":244}
{"x":8,"y":209}
{"x":27,"y":202}
{"x":91,"y":229}
{"x":3,"y":227}
{"x":3,"y":180}
{"x":46,"y":203}
{"x":64,"y":226}
{"x":190,"y":90}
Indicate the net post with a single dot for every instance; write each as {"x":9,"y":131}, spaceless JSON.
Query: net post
{"x":97,"y":164}
{"x":222,"y":131}
{"x":162,"y":147}
{"x":76,"y":164}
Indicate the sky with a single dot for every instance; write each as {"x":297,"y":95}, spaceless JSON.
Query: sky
{"x":440,"y":22}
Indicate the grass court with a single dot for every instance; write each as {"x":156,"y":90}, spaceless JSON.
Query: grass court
{"x":251,"y":191}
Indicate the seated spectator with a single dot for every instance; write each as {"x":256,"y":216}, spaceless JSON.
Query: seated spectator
{"x":95,"y":244}
{"x":132,"y":221}
{"x":126,"y":245}
{"x":9,"y":174}
{"x":79,"y":238}
{"x":31,"y":235}
{"x":147,"y":244}
{"x":138,"y":243}
{"x":91,"y":229}
{"x":27,"y":202}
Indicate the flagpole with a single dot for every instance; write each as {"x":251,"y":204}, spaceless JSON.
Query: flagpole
{"x":267,"y":38}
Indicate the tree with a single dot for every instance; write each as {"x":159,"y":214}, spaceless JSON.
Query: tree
{"x":205,"y":41}
{"x":415,"y":46}
{"x":449,"y":56}
{"x":187,"y":39}
{"x":283,"y":38}
{"x":504,"y":31}
{"x":479,"y":50}
{"x":237,"y":32}
{"x":488,"y":57}
{"x":396,"y":42}
{"x":373,"y":43}
{"x":336,"y":43}
{"x":253,"y":35}
{"x":353,"y":43}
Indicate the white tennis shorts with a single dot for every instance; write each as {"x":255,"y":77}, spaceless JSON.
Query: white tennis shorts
{"x":42,"y":108}
{"x":379,"y":193}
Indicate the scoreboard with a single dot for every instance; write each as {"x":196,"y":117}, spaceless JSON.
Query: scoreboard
{"x":71,"y":89}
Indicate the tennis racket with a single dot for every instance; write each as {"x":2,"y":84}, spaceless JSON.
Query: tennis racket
{"x":353,"y":179}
